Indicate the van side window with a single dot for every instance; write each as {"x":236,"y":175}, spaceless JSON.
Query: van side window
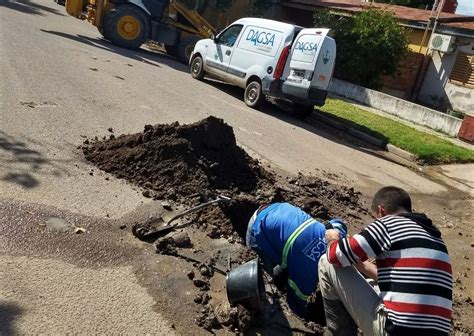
{"x":229,"y":37}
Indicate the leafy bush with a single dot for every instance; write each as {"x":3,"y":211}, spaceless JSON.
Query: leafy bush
{"x":369,"y":44}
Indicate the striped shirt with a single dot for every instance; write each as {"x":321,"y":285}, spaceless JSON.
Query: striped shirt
{"x":413,"y":269}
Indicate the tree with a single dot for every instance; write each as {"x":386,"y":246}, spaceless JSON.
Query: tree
{"x":369,"y":45}
{"x":201,"y":5}
{"x":410,"y":3}
{"x":258,"y":7}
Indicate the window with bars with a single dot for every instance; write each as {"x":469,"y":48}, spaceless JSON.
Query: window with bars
{"x":463,"y":70}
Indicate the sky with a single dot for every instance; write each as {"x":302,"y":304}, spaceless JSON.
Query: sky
{"x":465,"y":7}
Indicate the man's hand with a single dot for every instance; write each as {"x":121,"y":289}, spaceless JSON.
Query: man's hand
{"x":368,"y":269}
{"x":339,"y":224}
{"x":332,"y":234}
{"x":280,"y":278}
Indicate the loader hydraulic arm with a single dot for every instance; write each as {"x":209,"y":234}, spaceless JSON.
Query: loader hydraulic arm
{"x":199,"y":25}
{"x":94,"y":13}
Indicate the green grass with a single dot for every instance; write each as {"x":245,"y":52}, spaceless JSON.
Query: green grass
{"x":427,"y":147}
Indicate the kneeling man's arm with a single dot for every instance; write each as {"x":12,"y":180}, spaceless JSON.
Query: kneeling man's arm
{"x":370,"y":243}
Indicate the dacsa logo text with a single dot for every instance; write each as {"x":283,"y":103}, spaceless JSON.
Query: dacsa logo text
{"x":260,"y":37}
{"x":306,"y":46}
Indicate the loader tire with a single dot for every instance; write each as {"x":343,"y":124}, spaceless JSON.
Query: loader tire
{"x":102,"y":32}
{"x":171,"y":50}
{"x":127,"y":26}
{"x":186,"y":47}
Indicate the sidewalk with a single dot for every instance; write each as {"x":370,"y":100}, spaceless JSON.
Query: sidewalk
{"x":406,"y":122}
{"x":459,"y":176}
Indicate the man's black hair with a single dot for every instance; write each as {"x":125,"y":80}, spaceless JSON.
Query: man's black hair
{"x":393,"y":199}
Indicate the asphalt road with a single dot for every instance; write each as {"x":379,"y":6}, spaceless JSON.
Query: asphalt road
{"x":60,"y":81}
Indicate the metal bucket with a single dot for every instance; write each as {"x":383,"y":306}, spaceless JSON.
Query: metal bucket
{"x":245,"y":286}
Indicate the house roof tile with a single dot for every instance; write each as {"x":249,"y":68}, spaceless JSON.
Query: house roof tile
{"x":401,"y":12}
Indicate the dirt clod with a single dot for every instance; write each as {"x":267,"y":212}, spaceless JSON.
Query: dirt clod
{"x":181,"y":239}
{"x":203,"y":285}
{"x":204,"y":271}
{"x":202,"y":298}
{"x":166,"y":245}
{"x":165,"y":205}
{"x":190,"y":275}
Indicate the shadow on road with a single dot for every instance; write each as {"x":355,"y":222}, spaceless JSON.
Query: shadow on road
{"x":8,"y":313}
{"x":283,"y":111}
{"x":21,"y":164}
{"x":153,"y":58}
{"x":28,"y":7}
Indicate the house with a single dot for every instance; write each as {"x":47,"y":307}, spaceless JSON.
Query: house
{"x":444,"y":81}
{"x":439,"y":69}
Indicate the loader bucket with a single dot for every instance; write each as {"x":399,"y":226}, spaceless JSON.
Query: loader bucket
{"x":74,"y":8}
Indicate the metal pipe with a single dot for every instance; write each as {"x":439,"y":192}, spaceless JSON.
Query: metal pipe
{"x":427,"y":26}
{"x":436,"y":22}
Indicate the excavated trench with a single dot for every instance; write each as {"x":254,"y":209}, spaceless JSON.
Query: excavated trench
{"x":188,"y":164}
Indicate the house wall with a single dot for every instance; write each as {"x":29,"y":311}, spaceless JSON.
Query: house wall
{"x":437,"y":91}
{"x":415,"y":37}
{"x":402,"y":83}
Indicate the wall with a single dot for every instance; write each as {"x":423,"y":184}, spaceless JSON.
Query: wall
{"x":461,"y":98}
{"x":239,"y":9}
{"x":402,"y":83}
{"x":404,"y":109}
{"x":436,"y":90}
{"x":220,"y":20}
{"x":415,"y":36}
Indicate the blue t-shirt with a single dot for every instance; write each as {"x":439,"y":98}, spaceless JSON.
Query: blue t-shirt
{"x":270,"y":231}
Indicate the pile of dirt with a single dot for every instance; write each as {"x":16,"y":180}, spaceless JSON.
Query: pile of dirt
{"x":183,"y":163}
{"x":186,"y":163}
{"x":177,"y":161}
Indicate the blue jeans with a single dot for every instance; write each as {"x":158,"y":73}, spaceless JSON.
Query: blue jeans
{"x":251,"y":242}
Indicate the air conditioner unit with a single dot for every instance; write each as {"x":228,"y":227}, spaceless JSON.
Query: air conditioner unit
{"x":441,"y":42}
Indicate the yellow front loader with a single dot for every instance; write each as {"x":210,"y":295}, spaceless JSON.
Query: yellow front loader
{"x":130,"y":23}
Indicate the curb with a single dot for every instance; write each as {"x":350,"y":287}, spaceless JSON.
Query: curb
{"x":366,"y":137}
{"x":401,"y":152}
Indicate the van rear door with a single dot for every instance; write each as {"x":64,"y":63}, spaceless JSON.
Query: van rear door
{"x":311,"y":61}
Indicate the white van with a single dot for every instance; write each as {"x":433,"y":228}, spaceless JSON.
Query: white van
{"x":271,"y":58}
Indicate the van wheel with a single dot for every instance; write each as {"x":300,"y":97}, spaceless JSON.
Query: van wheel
{"x":126,"y":26}
{"x":302,"y":110}
{"x":253,"y":95}
{"x":197,"y":68}
{"x":186,"y":47}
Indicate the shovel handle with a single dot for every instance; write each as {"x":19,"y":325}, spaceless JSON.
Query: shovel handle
{"x":219,"y":199}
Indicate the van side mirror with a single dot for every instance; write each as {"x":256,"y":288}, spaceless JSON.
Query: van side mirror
{"x":216,"y":39}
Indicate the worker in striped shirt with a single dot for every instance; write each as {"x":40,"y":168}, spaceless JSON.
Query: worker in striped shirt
{"x":412,"y":270}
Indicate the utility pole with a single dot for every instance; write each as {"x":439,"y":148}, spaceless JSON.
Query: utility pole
{"x":438,"y":9}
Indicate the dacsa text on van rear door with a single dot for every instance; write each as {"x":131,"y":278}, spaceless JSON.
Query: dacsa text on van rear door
{"x":312,"y":59}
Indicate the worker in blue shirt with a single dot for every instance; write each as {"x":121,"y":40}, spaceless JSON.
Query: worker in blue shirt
{"x":290,"y":242}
